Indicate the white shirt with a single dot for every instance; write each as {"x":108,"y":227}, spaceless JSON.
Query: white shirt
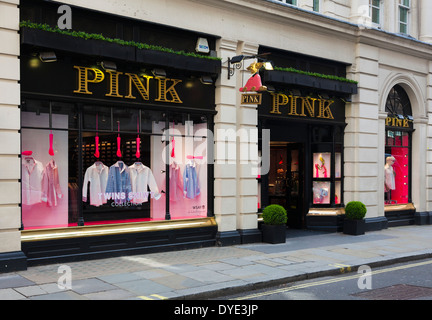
{"x":141,"y":179}
{"x":97,"y":175}
{"x":31,"y":181}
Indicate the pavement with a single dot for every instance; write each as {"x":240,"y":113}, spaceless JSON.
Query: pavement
{"x":205,"y":273}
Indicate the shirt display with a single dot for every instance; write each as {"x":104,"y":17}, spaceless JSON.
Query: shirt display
{"x":191,"y":187}
{"x":142,"y":179}
{"x":31,"y":181}
{"x":119,"y":183}
{"x":50,"y":184}
{"x":97,"y":176}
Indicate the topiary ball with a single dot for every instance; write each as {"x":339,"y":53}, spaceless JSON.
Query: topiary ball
{"x":355,"y":210}
{"x":274,"y":214}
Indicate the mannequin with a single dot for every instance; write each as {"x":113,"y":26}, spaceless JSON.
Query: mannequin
{"x":389,"y":177}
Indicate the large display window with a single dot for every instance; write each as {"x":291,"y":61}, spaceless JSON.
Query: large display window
{"x":397,"y":166}
{"x":94,"y":164}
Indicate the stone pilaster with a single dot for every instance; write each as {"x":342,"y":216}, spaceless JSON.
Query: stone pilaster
{"x":11,"y":257}
{"x":364,"y":150}
{"x":225,"y":163}
{"x":247,"y":155}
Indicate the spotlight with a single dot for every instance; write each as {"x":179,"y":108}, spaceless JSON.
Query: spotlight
{"x":159,"y":73}
{"x":47,"y":56}
{"x":108,"y":65}
{"x":206,"y":80}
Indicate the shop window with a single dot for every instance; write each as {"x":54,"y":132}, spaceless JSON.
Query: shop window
{"x":327,"y":146}
{"x":89,"y":164}
{"x":397,"y":166}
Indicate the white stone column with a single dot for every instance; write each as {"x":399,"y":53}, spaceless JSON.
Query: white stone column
{"x":10,"y":189}
{"x":429,"y":143}
{"x":225,"y":163}
{"x":425,"y":26}
{"x":364,"y":150}
{"x":247,"y":153}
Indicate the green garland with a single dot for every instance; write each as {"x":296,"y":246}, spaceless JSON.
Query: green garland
{"x":95,"y":36}
{"x":315,"y":74}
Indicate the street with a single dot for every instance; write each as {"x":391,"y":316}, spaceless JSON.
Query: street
{"x":406,"y":281}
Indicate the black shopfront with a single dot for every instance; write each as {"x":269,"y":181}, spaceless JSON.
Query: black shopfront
{"x":98,"y":109}
{"x":304,"y":112}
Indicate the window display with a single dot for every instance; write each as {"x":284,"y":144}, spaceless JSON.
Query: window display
{"x":129,"y":162}
{"x":327,"y":166}
{"x":396,"y":168}
{"x":397,"y":165}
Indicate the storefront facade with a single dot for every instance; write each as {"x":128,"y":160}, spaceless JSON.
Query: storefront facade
{"x":340,"y":102}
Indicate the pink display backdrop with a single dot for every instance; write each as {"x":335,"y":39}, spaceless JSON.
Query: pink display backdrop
{"x":36,"y":140}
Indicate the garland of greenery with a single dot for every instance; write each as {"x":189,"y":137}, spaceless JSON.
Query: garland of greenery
{"x":95,"y":36}
{"x":315,"y":74}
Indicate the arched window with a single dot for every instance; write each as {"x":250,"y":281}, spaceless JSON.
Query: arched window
{"x":399,"y":128}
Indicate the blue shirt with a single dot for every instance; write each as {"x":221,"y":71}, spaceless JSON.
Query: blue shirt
{"x":190,"y":182}
{"x":119,"y":182}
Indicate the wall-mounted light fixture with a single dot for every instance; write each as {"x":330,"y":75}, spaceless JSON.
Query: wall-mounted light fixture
{"x":411,"y":118}
{"x":47,"y":56}
{"x":236,"y":62}
{"x":206,"y":80}
{"x":159,"y":73}
{"x":108,"y":65}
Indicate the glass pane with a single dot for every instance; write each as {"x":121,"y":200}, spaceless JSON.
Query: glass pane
{"x":188,"y":168}
{"x":338,"y":162}
{"x":45,"y":181}
{"x":396,"y":169}
{"x":35,"y":114}
{"x":125,"y":119}
{"x":338,"y":192}
{"x":322,"y":165}
{"x":96,"y":118}
{"x":321,"y":192}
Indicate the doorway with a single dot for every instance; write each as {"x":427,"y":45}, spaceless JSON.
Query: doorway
{"x":286,"y":180}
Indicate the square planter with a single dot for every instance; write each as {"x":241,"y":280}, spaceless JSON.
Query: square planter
{"x":273,"y":233}
{"x":354,"y":227}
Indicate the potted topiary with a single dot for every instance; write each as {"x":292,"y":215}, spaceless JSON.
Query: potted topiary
{"x":354,"y":224}
{"x":274,"y":224}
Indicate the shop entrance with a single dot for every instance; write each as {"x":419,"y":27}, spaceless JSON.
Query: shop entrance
{"x":286,"y":180}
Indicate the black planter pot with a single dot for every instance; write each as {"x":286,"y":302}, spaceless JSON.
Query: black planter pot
{"x":309,"y":81}
{"x":100,"y":48}
{"x":91,"y":47}
{"x":178,"y":61}
{"x":354,"y":227}
{"x":273,"y":233}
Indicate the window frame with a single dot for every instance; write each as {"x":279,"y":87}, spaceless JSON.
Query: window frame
{"x":380,"y":12}
{"x":406,"y":8}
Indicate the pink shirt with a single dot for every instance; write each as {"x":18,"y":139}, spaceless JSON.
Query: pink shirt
{"x":50,"y":184}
